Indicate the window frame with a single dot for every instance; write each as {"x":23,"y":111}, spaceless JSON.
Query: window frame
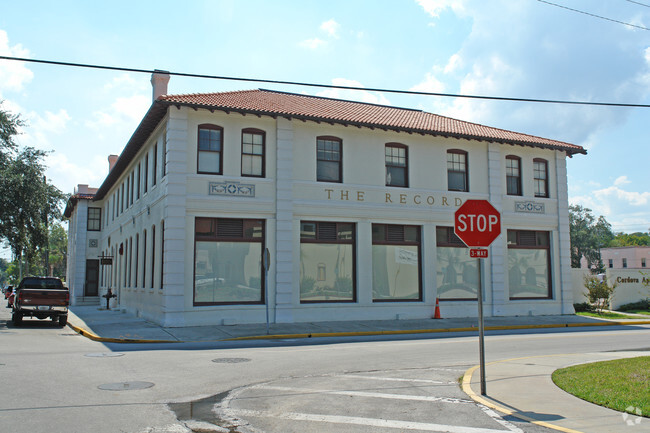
{"x":96,"y":219}
{"x":324,"y":138}
{"x":393,"y":242}
{"x":539,"y":181}
{"x":519,"y":190}
{"x":338,"y":241}
{"x":243,"y":239}
{"x":405,"y":167}
{"x":211,"y":127}
{"x":254,"y":131}
{"x":465,"y":172}
{"x":549,"y":261}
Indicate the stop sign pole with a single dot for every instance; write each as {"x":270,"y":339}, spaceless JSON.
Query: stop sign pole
{"x":477,"y":223}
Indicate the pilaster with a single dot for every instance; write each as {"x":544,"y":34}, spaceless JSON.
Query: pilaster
{"x":564,"y":293}
{"x":497,"y":262}
{"x":284,"y":284}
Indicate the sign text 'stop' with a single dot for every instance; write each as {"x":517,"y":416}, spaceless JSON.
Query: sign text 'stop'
{"x":477,"y":223}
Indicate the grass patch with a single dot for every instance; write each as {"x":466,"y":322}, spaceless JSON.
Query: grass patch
{"x":622,"y":385}
{"x":646,"y":312}
{"x":606,"y":315}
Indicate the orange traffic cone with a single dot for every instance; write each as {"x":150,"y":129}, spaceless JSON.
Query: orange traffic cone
{"x":436,"y":315}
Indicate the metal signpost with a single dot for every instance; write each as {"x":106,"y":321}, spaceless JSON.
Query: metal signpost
{"x":477,"y":223}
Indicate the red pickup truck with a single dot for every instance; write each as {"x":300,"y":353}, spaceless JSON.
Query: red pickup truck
{"x":41,"y":297}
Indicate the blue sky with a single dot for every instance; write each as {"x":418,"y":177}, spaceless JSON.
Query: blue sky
{"x":523,"y":48}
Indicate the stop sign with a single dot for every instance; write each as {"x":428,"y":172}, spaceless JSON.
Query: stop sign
{"x":477,"y":223}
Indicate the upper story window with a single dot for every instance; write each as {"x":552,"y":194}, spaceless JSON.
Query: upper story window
{"x":540,"y":170}
{"x":163,"y":167}
{"x":624,"y":262}
{"x":396,"y":165}
{"x":145,"y":174}
{"x":155,"y":164}
{"x":611,"y":263}
{"x":457,"y":170}
{"x":210,"y":148}
{"x":513,"y":175}
{"x":94,"y":219}
{"x":643,"y":262}
{"x":328,"y":159}
{"x":253,"y":143}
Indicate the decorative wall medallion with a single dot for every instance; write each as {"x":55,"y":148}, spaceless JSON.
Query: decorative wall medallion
{"x":529,"y":207}
{"x":92,"y":243}
{"x":231,"y":189}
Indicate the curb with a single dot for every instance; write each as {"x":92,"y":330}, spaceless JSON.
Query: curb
{"x":89,"y":334}
{"x":466,"y":385}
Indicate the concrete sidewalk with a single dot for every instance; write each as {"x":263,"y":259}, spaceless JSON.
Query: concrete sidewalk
{"x":518,"y":387}
{"x":122,"y":327}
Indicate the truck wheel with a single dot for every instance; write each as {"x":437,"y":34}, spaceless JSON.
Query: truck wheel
{"x":63,"y":320}
{"x":17,"y":318}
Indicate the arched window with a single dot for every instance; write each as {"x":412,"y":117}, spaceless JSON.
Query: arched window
{"x":210,"y":149}
{"x":253,"y":150}
{"x":540,"y":173}
{"x":513,"y":175}
{"x":396,"y":157}
{"x":329,"y":159}
{"x":457,"y":170}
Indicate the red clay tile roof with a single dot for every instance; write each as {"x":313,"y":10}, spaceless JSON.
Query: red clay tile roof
{"x":318,"y":109}
{"x":361,"y":114}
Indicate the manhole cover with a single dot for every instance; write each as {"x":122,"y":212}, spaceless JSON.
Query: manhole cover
{"x":104,"y":354}
{"x":230,"y":360}
{"x":125,"y":386}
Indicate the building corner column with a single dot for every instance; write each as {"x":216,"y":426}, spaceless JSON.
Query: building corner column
{"x":498,"y":295}
{"x":565,"y":291}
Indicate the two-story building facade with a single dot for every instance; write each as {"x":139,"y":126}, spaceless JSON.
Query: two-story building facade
{"x":354,"y":203}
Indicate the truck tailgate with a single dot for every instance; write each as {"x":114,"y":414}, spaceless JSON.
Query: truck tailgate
{"x":43,"y":297}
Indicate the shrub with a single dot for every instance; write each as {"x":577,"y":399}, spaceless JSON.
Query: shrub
{"x":641,"y":305}
{"x":599,"y":292}
{"x":583,"y":307}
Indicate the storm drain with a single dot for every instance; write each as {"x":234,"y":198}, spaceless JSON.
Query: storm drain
{"x":104,"y":354}
{"x":230,"y":360}
{"x":125,"y":386}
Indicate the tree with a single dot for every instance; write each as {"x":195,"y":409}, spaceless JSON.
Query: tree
{"x":27,"y":202}
{"x":56,"y":252}
{"x":632,"y":239}
{"x":599,"y":292}
{"x":588,"y":236}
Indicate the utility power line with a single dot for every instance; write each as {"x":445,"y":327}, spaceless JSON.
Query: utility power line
{"x":638,"y":3}
{"x":327,"y":86}
{"x":594,"y":15}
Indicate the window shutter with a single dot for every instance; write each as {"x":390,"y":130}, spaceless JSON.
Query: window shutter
{"x":327,"y":231}
{"x":230,"y":228}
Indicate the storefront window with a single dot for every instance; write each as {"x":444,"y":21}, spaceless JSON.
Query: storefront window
{"x":228,"y":261}
{"x":529,"y":264}
{"x":327,"y":265}
{"x":457,"y":272}
{"x":395,"y":263}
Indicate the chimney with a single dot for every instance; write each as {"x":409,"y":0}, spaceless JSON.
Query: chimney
{"x":159,"y":81}
{"x":112,"y":159}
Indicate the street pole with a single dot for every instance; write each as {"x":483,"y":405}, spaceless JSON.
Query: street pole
{"x":481,"y":330}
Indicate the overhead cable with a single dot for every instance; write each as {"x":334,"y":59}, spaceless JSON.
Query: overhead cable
{"x":326,"y":86}
{"x":594,"y":15}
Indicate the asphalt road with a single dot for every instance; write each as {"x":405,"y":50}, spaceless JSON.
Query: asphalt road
{"x":55,"y":380}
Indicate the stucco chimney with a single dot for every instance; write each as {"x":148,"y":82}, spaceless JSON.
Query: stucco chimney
{"x":159,"y":81}
{"x":112,"y":159}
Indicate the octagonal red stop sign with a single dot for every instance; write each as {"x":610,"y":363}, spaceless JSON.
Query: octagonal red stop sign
{"x":477,"y":223}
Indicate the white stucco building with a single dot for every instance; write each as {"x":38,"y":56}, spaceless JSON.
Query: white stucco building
{"x":353,"y":201}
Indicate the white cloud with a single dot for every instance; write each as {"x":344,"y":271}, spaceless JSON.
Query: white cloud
{"x":435,"y":7}
{"x":66,"y":174}
{"x":40,"y":130}
{"x":621,"y":180}
{"x":353,"y":95}
{"x":13,"y":74}
{"x":331,"y":27}
{"x":430,"y":84}
{"x":313,"y":44}
{"x":124,"y":110}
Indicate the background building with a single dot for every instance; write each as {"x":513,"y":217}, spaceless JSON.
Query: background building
{"x":354,"y":203}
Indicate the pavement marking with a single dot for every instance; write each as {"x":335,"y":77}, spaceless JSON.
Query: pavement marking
{"x":397,"y":379}
{"x":367,"y":394}
{"x":373,"y":422}
{"x":466,"y":385}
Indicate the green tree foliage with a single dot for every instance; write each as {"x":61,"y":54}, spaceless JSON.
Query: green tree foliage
{"x":599,"y":292}
{"x":588,"y":236}
{"x":54,"y":255}
{"x":27,"y":202}
{"x":629,"y":240}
